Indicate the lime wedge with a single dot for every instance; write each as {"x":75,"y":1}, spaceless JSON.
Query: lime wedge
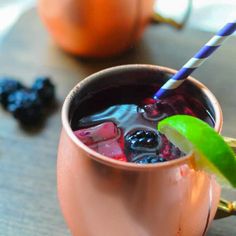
{"x":212,"y":153}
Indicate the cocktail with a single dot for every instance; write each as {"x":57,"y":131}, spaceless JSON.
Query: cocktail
{"x":121,"y":120}
{"x":136,"y":189}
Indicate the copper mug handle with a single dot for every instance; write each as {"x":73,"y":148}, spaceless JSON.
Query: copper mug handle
{"x":227,"y":208}
{"x":158,"y":18}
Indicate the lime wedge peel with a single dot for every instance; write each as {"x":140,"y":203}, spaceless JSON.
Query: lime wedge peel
{"x":212,"y":153}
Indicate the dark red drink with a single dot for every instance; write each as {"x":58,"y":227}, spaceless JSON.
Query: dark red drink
{"x":120,"y":121}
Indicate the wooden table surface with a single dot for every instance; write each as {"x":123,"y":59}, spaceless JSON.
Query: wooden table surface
{"x":28,"y":200}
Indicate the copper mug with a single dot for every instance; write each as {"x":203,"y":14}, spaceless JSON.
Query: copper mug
{"x":100,"y":28}
{"x":100,"y":196}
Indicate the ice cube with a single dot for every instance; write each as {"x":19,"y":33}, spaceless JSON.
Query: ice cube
{"x":104,"y":138}
{"x":111,"y":148}
{"x":98,"y":133}
{"x":156,"y":111}
{"x":180,"y":105}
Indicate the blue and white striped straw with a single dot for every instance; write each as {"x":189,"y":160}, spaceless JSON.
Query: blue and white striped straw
{"x":198,"y":59}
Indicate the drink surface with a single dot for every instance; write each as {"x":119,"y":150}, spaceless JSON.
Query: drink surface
{"x":120,"y":122}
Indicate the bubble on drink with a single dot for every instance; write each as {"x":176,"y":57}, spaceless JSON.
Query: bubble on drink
{"x":158,"y":110}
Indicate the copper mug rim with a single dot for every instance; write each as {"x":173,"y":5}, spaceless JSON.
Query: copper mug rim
{"x":127,"y":165}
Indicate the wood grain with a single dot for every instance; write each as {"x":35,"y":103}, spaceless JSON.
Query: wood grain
{"x":28,"y":201}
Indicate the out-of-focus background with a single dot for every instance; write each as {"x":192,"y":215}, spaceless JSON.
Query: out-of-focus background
{"x":207,"y":15}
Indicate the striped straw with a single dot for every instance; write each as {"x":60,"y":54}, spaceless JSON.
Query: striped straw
{"x":198,"y":59}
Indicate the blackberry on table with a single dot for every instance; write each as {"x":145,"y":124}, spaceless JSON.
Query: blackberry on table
{"x":45,"y":89}
{"x":148,"y":159}
{"x":141,"y":139}
{"x":26,"y":106}
{"x":8,"y":86}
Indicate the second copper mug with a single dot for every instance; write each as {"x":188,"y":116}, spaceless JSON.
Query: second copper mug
{"x":100,"y":196}
{"x":100,"y":28}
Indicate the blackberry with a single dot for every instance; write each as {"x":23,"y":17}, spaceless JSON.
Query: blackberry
{"x":8,"y":86}
{"x":141,"y":140}
{"x":148,"y":159}
{"x":168,"y":150}
{"x":45,"y":89}
{"x":26,"y":106}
